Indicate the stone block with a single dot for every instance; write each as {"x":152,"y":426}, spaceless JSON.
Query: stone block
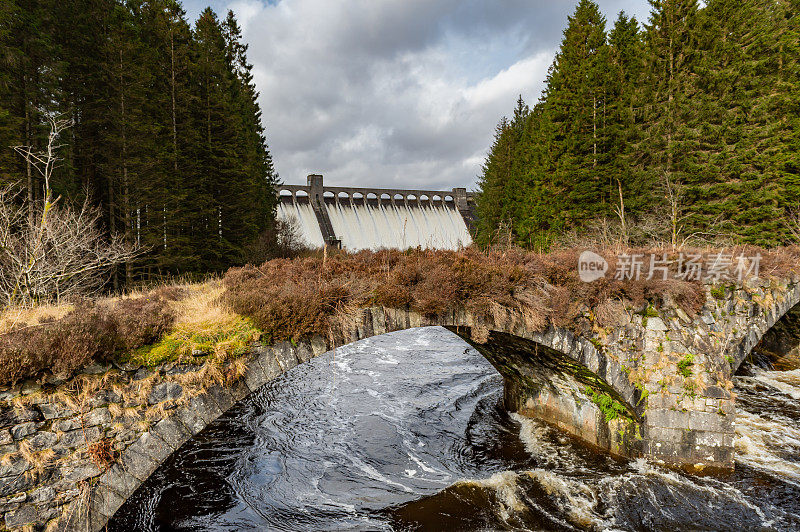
{"x":41,"y":495}
{"x":105,"y":502}
{"x":79,"y":472}
{"x":42,"y":440}
{"x":716,"y":392}
{"x":55,"y":410}
{"x":239,"y":390}
{"x":24,"y":429}
{"x":221,"y":397}
{"x":119,"y":480}
{"x":189,"y":419}
{"x":165,"y":391}
{"x":172,"y":431}
{"x":138,"y":465}
{"x":103,"y":398}
{"x":254,"y":377}
{"x":98,"y":416}
{"x":656,"y":324}
{"x":152,"y":446}
{"x":668,"y":434}
{"x":666,"y":418}
{"x":26,"y":515}
{"x":320,"y":346}
{"x":709,"y":439}
{"x":77,"y":438}
{"x":304,"y":352}
{"x":706,"y":421}
{"x":15,"y":484}
{"x":284,"y":353}
{"x":378,"y":322}
{"x":204,"y":408}
{"x":269,"y":365}
{"x":13,"y":466}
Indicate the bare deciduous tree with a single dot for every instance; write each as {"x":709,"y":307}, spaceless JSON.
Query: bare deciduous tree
{"x":48,"y":250}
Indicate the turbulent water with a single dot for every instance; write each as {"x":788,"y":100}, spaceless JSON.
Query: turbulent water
{"x":405,"y":431}
{"x":364,"y":225}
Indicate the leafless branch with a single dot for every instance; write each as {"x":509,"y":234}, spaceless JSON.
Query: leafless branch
{"x":48,"y":250}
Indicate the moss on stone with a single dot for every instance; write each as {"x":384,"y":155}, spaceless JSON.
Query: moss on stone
{"x":611,"y":408}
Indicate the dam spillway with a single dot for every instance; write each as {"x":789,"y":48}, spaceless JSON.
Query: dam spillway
{"x":360,"y":218}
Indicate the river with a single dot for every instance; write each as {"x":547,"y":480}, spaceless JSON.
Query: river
{"x":406,"y":431}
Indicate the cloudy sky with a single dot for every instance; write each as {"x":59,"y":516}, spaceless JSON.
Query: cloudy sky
{"x":396,"y":93}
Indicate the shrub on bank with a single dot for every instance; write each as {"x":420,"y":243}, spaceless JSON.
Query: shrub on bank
{"x":90,"y":332}
{"x":290,"y":299}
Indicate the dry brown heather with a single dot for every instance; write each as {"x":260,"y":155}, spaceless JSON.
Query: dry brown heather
{"x":89,"y":331}
{"x":293,"y":298}
{"x":317,"y":294}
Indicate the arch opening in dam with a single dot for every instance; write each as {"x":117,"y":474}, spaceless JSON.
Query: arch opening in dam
{"x":353,"y":218}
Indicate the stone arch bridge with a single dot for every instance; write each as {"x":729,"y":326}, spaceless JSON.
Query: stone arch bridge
{"x":656,"y":385}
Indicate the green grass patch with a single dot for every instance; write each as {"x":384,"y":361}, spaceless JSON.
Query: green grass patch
{"x":685,"y":365}
{"x":223,"y":340}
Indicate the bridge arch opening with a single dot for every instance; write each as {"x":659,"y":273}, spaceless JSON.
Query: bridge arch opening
{"x":328,"y":194}
{"x":546,"y":377}
{"x":385,"y":196}
{"x":357,"y":195}
{"x":343,"y":195}
{"x":773,"y":345}
{"x":372,"y":196}
{"x":301,"y":194}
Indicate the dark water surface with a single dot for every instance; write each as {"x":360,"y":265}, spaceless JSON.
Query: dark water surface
{"x":406,"y":432}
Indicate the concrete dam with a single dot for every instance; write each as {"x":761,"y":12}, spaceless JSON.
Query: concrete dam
{"x":373,"y":218}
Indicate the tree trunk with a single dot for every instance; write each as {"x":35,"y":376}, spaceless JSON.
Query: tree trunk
{"x":174,"y":114}
{"x":125,"y":189}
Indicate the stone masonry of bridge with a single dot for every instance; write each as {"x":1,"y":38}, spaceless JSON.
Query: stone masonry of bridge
{"x":669,"y":375}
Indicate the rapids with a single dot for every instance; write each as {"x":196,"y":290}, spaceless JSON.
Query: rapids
{"x":406,"y":431}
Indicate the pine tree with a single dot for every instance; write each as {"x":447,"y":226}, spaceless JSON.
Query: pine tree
{"x":574,"y":104}
{"x":491,"y":184}
{"x":624,"y":76}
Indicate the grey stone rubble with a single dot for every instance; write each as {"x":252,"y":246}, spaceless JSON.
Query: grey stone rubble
{"x":48,"y":479}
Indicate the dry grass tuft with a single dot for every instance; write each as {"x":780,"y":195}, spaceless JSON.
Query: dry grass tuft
{"x":102,"y":453}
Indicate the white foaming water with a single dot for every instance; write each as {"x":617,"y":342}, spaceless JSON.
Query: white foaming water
{"x":306,"y":220}
{"x":400,"y":226}
{"x":763,"y":442}
{"x":787,"y":382}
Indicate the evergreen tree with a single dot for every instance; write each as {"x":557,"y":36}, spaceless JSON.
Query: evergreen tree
{"x":574,"y":107}
{"x":167,"y":138}
{"x":693,"y":121}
